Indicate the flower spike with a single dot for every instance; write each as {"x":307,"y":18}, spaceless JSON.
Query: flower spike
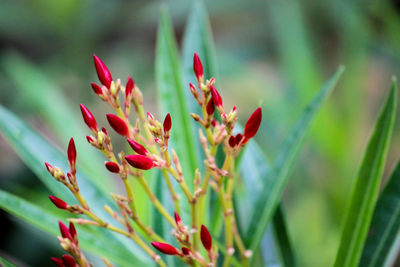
{"x":102,"y":72}
{"x":138,"y":148}
{"x":140,"y":162}
{"x":165,"y":248}
{"x":118,"y":124}
{"x":198,"y":68}
{"x":59,"y":203}
{"x":205,"y":238}
{"x":88,"y":118}
{"x":252,"y":124}
{"x":112,"y":167}
{"x":167,"y":123}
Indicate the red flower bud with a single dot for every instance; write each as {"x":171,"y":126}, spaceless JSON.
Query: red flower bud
{"x":88,"y":118}
{"x":214,"y":123}
{"x":49,"y":168}
{"x":238,"y":138}
{"x":97,"y":89}
{"x":165,"y":248}
{"x":57,"y":261}
{"x":102,"y":72}
{"x":138,"y":148}
{"x":68,"y":261}
{"x":118,"y":124}
{"x":167,"y":123}
{"x":216,"y":97}
{"x":205,"y":238}
{"x":59,"y":203}
{"x":71,"y":152}
{"x":232,"y":141}
{"x":130,"y":84}
{"x":197,"y":67}
{"x":73,"y":233}
{"x":64,"y":230}
{"x":178,"y":220}
{"x":150,"y":116}
{"x":89,"y":139}
{"x":210,"y":107}
{"x":140,"y":162}
{"x":112,"y":167}
{"x":252,"y":124}
{"x":185,"y":251}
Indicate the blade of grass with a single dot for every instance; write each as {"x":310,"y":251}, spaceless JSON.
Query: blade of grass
{"x":365,"y":192}
{"x":5,"y":263}
{"x":96,"y":242}
{"x":275,"y":183}
{"x":384,"y":225}
{"x":42,"y":94}
{"x":172,"y":99}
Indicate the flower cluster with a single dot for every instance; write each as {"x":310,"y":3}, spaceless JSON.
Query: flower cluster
{"x":149,"y":140}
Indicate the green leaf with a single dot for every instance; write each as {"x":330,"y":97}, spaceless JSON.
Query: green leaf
{"x":5,"y":263}
{"x":99,"y":242}
{"x":275,"y":183}
{"x":173,"y":100}
{"x":384,"y":225}
{"x":43,"y":95}
{"x":34,"y":150}
{"x":365,"y":192}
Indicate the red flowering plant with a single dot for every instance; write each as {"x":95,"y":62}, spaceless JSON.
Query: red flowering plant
{"x":149,"y":140}
{"x":194,"y":191}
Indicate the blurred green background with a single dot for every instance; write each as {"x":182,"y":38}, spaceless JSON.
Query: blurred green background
{"x":270,"y":53}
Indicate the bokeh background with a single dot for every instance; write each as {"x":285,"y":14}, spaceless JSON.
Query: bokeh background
{"x":270,"y":53}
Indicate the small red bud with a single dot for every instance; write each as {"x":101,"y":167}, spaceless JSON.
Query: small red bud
{"x":59,"y":203}
{"x":49,"y":168}
{"x":68,"y":261}
{"x":73,"y":232}
{"x":185,"y":251}
{"x":216,"y":97}
{"x":205,"y":238}
{"x":232,"y":141}
{"x":102,"y":72}
{"x":178,"y":220}
{"x":150,"y":116}
{"x":140,"y":162}
{"x":64,"y":230}
{"x":71,"y":152}
{"x":97,"y":89}
{"x":167,"y":123}
{"x":197,"y":67}
{"x":210,"y":107}
{"x":57,"y":261}
{"x":165,"y":248}
{"x":104,"y":130}
{"x":193,"y":89}
{"x":252,"y":124}
{"x":130,"y":84}
{"x":214,"y":123}
{"x":89,"y":139}
{"x":112,"y":167}
{"x":238,"y":138}
{"x":88,"y":118}
{"x":138,"y":148}
{"x":118,"y":124}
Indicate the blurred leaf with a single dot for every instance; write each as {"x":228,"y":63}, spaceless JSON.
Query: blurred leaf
{"x":274,"y":184}
{"x":34,"y":150}
{"x":366,"y":189}
{"x":172,"y":99}
{"x":5,"y":263}
{"x":97,"y":242}
{"x":384,"y":225}
{"x":47,"y":98}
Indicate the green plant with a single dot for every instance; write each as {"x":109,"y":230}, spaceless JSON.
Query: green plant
{"x":252,"y":223}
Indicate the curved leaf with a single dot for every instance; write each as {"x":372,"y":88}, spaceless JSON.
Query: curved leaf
{"x":275,"y":183}
{"x":5,"y":263}
{"x":365,"y":192}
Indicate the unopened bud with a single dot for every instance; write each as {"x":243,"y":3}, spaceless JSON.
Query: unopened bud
{"x":165,"y":248}
{"x":88,"y":118}
{"x":118,"y":124}
{"x":205,"y":237}
{"x":252,"y":124}
{"x":138,"y":148}
{"x":59,"y":203}
{"x":102,"y":72}
{"x":112,"y":167}
{"x":140,"y":162}
{"x":198,"y":68}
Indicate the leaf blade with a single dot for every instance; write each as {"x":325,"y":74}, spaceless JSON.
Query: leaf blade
{"x":276,"y":182}
{"x":366,"y":189}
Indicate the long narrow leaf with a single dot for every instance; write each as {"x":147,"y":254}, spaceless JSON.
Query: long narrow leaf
{"x":385,"y":224}
{"x":276,"y":182}
{"x":365,"y":192}
{"x":99,"y":244}
{"x":5,"y":263}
